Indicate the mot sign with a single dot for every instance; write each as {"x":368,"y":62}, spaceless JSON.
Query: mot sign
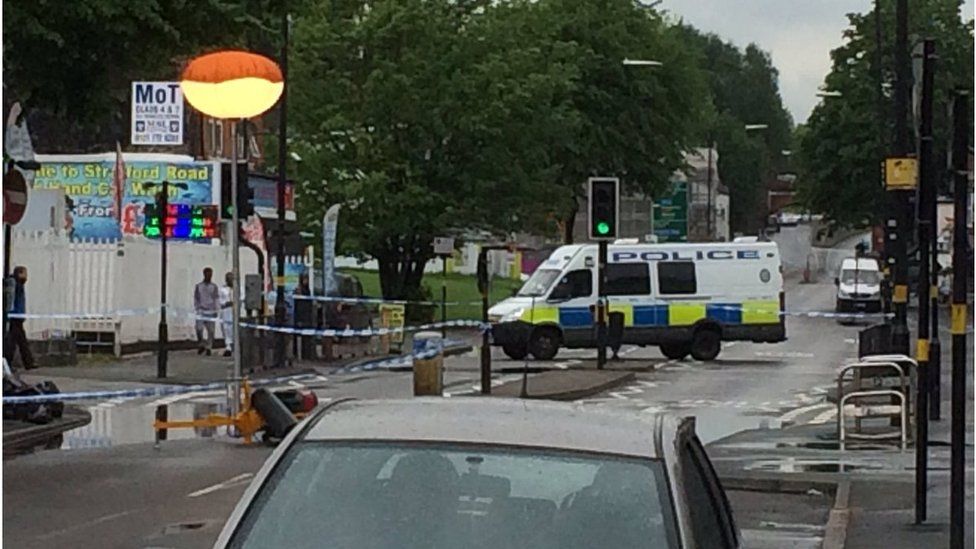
{"x":157,"y":113}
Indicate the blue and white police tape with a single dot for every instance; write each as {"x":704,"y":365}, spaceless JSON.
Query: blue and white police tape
{"x":386,"y":364}
{"x":368,"y":332}
{"x":379,"y":301}
{"x":86,"y":315}
{"x":147,"y":392}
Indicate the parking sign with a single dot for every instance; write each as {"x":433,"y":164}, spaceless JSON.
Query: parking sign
{"x":157,"y":113}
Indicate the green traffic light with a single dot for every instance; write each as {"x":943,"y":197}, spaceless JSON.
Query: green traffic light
{"x":603,"y":227}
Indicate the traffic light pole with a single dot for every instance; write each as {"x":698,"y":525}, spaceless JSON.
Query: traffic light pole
{"x":926,"y":193}
{"x":162,"y":353}
{"x":601,"y":306}
{"x":960,"y":283}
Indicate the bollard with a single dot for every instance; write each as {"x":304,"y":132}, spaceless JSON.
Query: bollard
{"x":428,"y":373}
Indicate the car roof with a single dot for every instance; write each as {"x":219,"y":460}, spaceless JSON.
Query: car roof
{"x":494,"y":421}
{"x":861,"y":264}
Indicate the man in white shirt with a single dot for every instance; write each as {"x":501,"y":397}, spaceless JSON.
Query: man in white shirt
{"x":206,"y":303}
{"x":227,"y":313}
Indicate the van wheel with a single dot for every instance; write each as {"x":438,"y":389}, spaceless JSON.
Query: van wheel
{"x":706,"y":344}
{"x":515,"y":352}
{"x":544,"y":343}
{"x":675,"y":351}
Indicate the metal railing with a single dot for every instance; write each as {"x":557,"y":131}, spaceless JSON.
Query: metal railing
{"x":882,"y":387}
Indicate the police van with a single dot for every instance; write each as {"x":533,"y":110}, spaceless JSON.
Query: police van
{"x":685,"y":298}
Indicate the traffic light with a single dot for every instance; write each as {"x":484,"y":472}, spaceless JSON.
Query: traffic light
{"x":245,"y":196}
{"x":604,"y":205}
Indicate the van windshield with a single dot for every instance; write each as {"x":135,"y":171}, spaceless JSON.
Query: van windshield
{"x":851,"y":276}
{"x":539,"y":283}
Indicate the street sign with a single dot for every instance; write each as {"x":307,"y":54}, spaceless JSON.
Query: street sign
{"x":182,"y":221}
{"x":14,"y":197}
{"x":157,"y":113}
{"x":901,"y":173}
{"x":17,"y":142}
{"x":443,"y":245}
{"x":670,"y":215}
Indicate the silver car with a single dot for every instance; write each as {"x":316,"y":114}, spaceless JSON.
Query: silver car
{"x":483,"y":472}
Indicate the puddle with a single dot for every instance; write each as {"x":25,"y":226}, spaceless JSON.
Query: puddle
{"x":119,"y":425}
{"x":793,"y":465}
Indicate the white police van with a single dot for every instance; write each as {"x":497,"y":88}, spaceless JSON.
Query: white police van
{"x":686,"y":298}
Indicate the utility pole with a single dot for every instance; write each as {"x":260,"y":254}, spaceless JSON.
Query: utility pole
{"x":882,"y":148}
{"x":926,"y":191}
{"x":926,"y":143}
{"x":708,"y":214}
{"x":960,"y":283}
{"x":898,"y":199}
{"x":280,"y":307}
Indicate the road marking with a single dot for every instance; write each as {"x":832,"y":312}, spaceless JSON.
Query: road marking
{"x":784,"y":354}
{"x":87,"y":523}
{"x":824,"y":417}
{"x":239,"y":479}
{"x":788,"y":417}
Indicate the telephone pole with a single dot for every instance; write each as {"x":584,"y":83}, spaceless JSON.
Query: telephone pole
{"x":897,"y":222}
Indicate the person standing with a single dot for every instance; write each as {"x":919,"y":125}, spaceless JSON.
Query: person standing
{"x":227,"y":313}
{"x":206,"y":303}
{"x":17,"y":338}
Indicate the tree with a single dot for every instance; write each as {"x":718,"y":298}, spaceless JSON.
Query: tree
{"x":634,"y":122}
{"x":743,"y":90}
{"x":424,"y":117}
{"x":71,"y":64}
{"x":845,"y":141}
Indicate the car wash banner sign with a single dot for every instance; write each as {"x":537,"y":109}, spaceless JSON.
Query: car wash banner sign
{"x":89,"y":192}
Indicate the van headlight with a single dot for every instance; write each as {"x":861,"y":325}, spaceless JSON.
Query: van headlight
{"x":843,"y":295}
{"x":512,"y":316}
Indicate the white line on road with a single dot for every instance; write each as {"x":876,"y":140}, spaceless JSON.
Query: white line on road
{"x":824,"y":417}
{"x":788,"y":417}
{"x":239,"y":479}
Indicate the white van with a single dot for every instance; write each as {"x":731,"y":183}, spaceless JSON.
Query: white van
{"x":859,"y":286}
{"x":687,"y":298}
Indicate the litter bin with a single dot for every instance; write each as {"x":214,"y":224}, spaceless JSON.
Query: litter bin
{"x":428,"y":372}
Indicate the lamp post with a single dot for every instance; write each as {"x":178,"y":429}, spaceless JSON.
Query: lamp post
{"x":233,"y":85}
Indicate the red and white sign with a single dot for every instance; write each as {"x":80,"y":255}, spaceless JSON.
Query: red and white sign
{"x":14,"y":197}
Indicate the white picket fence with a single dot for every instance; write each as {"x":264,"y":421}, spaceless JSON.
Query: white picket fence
{"x":104,"y":278}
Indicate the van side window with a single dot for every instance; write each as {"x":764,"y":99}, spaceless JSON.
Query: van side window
{"x":628,"y":279}
{"x":677,"y":277}
{"x":577,"y":283}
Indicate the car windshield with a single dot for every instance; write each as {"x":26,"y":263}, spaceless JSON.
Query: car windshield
{"x":850,"y":276}
{"x":539,"y":283}
{"x":377,"y":495}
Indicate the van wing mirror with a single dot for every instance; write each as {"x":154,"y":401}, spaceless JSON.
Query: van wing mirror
{"x":836,"y":281}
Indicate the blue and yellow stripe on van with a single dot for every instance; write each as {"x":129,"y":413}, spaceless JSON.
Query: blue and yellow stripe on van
{"x":670,"y":314}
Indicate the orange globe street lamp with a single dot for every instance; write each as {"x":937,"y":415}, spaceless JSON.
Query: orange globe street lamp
{"x":233,"y":85}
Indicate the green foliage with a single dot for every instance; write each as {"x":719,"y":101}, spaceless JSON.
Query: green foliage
{"x":634,"y":122}
{"x":846,"y":137}
{"x":73,"y":62}
{"x":421,"y":118}
{"x":744,"y":90}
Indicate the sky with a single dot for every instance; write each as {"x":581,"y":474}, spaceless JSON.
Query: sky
{"x":798,"y":34}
